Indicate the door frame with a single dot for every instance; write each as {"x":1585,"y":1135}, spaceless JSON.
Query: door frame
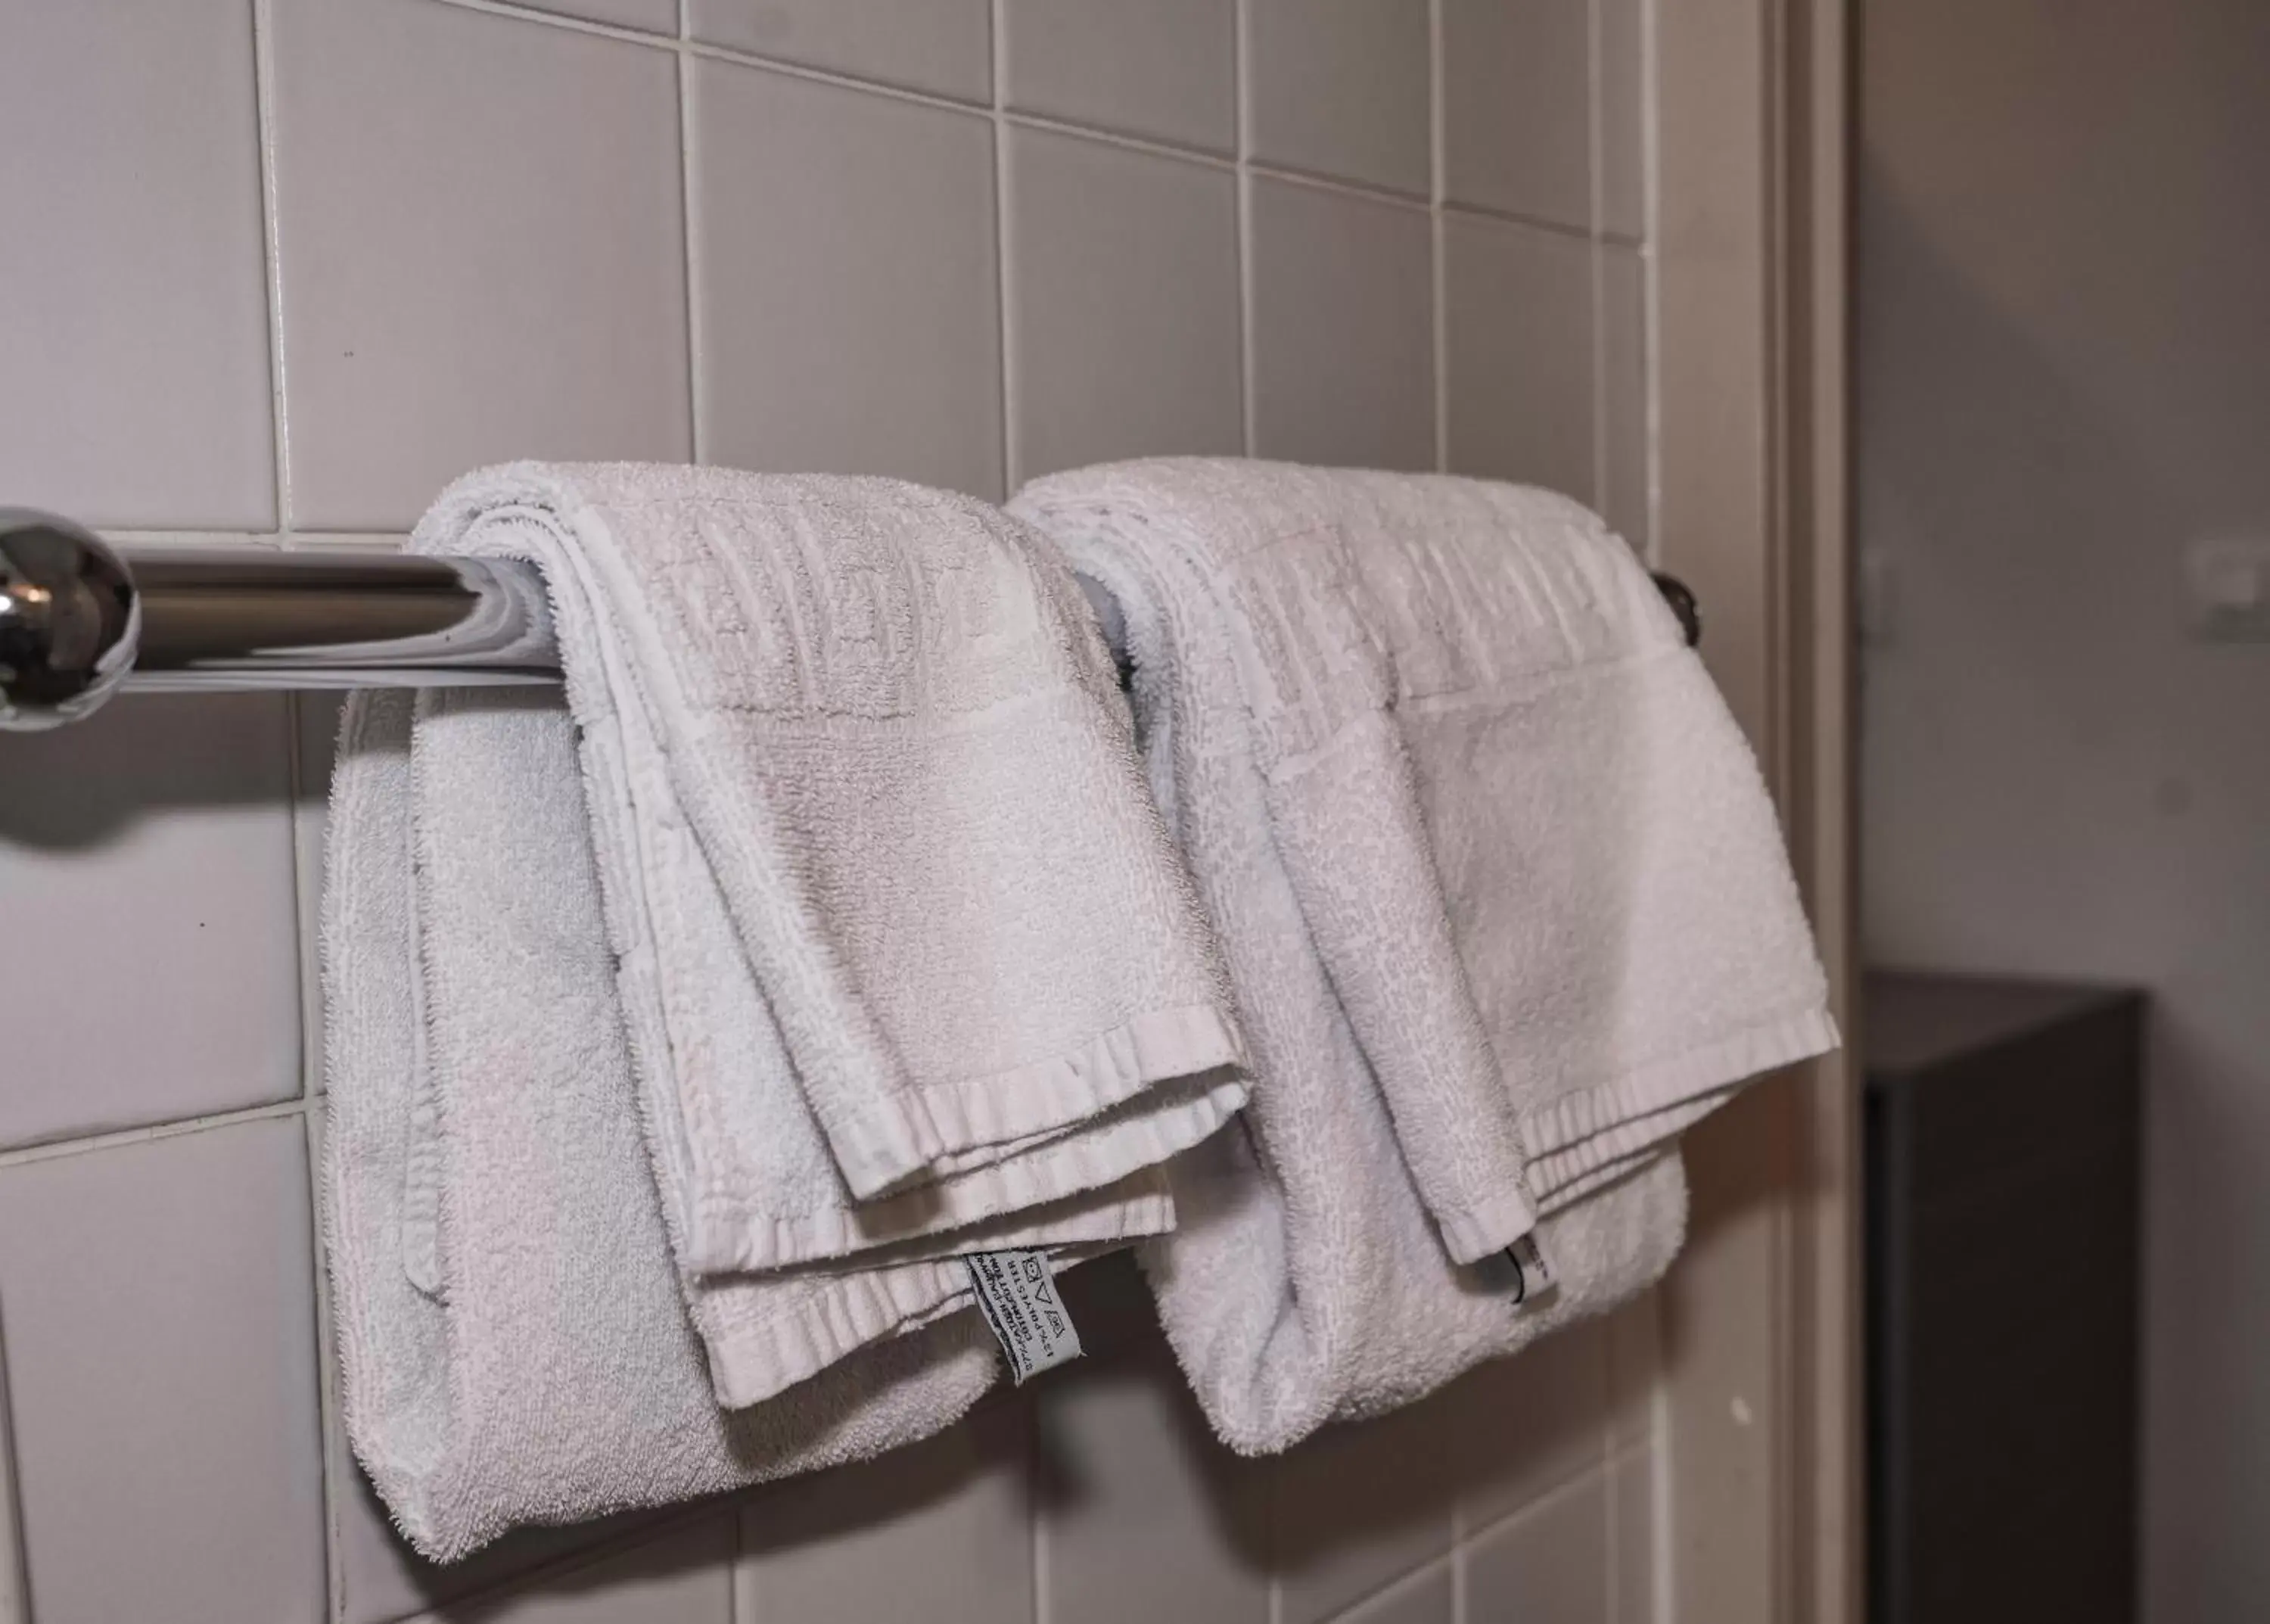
{"x":1761,"y":1486}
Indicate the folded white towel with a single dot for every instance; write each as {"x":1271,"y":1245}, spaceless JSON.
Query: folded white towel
{"x":512,"y":1342}
{"x":907,"y":961}
{"x":1485,"y":849}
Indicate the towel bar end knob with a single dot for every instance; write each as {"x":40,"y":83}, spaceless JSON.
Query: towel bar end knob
{"x":69,"y":621}
{"x":1681,"y":599}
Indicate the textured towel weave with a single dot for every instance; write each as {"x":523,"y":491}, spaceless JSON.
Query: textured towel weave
{"x":512,"y":1345}
{"x":867,"y":827}
{"x":907,"y":961}
{"x":1500,"y":889}
{"x":831,"y":878}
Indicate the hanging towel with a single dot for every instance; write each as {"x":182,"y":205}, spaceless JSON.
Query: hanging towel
{"x":512,"y":1348}
{"x":1502,"y":892}
{"x":909,"y":964}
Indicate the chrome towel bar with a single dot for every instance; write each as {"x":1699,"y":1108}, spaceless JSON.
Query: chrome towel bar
{"x":80,"y":619}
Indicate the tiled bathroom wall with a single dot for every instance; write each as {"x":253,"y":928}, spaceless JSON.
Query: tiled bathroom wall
{"x":273,"y":270}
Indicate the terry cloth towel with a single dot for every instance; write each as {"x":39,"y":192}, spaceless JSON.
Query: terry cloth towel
{"x":909,"y":964}
{"x":538,"y":1366}
{"x":1499,"y":883}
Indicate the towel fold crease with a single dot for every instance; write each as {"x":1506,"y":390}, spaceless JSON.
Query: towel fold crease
{"x":1500,"y":888}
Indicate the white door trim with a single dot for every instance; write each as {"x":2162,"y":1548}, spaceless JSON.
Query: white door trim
{"x":1761,"y":1316}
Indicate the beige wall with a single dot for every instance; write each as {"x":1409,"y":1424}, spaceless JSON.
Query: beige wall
{"x":276,"y":270}
{"x":2064,"y":376}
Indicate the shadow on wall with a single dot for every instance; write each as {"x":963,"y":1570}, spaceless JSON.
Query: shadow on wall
{"x":142,"y":755}
{"x":1356,"y":1493}
{"x":1990,"y":577}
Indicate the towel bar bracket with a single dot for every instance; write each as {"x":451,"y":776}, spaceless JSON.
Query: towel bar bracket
{"x":80,"y":620}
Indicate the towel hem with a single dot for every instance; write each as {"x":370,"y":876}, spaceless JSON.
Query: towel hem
{"x":898,"y":1138}
{"x":731,"y":1233}
{"x":754,"y":1363}
{"x":1491,"y":1226}
{"x":1577,"y":1140}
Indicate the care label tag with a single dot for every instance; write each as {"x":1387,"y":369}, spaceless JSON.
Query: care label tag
{"x":1532,"y":1275}
{"x":1018,"y":1297}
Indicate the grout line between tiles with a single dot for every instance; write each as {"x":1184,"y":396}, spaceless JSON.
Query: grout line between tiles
{"x":15,"y":1566}
{"x":1339,"y":186}
{"x":1613,"y":1546}
{"x":666,"y":1523}
{"x":1438,"y":186}
{"x":1044,"y":1605}
{"x":1574,"y":1483}
{"x":1596,"y":261}
{"x":1147,"y":145}
{"x":558,"y":19}
{"x":1596,"y":267}
{"x":1241,"y":58}
{"x":1527,"y":222}
{"x":686,"y":44}
{"x":741,"y":1584}
{"x":286,"y":538}
{"x":1658,"y":1531}
{"x":826,"y":75}
{"x":1399,"y":1585}
{"x":272,"y":240}
{"x":1612,"y":1588}
{"x":342,"y":541}
{"x":193,"y":539}
{"x":1272,"y":1490}
{"x":687,"y":236}
{"x":1003,"y":275}
{"x":55,"y":1150}
{"x":1651,"y":406}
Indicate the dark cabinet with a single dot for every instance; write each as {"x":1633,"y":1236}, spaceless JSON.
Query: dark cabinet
{"x":2002,"y":1150}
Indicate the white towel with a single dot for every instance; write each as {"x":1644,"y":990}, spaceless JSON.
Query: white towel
{"x":1500,"y":889}
{"x":536,"y":1364}
{"x":909,"y":964}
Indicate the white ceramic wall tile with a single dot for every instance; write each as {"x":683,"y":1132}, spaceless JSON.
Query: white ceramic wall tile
{"x":1624,"y":436}
{"x":937,"y":1533}
{"x":1634,"y":1339}
{"x":1165,"y":69}
{"x":133,"y":304}
{"x":1631,"y":1538}
{"x":482,"y":251}
{"x":845,"y":274}
{"x":945,"y":47}
{"x":160,"y":1312}
{"x":1518,"y":310}
{"x":1528,"y":1424}
{"x":653,"y":16}
{"x":1144,"y":1515}
{"x":1343,"y":328}
{"x":684,"y":1577}
{"x":1549,"y":1564}
{"x":1516,"y":107}
{"x":1359,"y":1505}
{"x":1423,"y":1598}
{"x":1340,"y":88}
{"x":15,"y":1602}
{"x":1123,"y":304}
{"x":1621,"y":73}
{"x":138,"y":850}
